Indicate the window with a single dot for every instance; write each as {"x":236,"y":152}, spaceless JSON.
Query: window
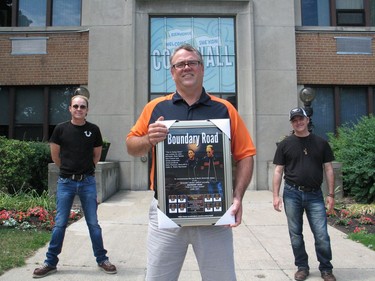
{"x":214,"y":37}
{"x":40,"y":12}
{"x":353,"y":104}
{"x":4,"y":111}
{"x":315,"y":13}
{"x":32,"y":13}
{"x":372,"y":12}
{"x":59,"y":101}
{"x":66,"y":13}
{"x":350,"y":13}
{"x":6,"y":13}
{"x":31,"y":113}
{"x":350,"y":17}
{"x":323,"y":117}
{"x":335,"y":106}
{"x":338,"y":12}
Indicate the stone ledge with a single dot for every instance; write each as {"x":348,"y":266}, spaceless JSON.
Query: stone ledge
{"x":106,"y":175}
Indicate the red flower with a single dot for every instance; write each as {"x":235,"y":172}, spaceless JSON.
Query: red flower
{"x":359,"y":229}
{"x":366,"y":220}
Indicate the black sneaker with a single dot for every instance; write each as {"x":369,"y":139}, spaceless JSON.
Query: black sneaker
{"x":43,"y":271}
{"x":107,"y":267}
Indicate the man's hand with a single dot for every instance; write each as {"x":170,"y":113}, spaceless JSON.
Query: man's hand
{"x":237,"y":212}
{"x":330,"y":203}
{"x":141,"y":145}
{"x":157,"y":132}
{"x":277,"y":203}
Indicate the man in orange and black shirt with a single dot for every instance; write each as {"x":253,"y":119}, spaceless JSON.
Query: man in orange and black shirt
{"x":167,"y":247}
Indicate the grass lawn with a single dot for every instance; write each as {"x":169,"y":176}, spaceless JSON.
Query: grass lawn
{"x":30,"y":217}
{"x":17,"y":245}
{"x":367,"y":239}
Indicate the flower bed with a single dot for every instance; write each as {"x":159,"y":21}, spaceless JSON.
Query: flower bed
{"x":353,"y":218}
{"x":36,"y":217}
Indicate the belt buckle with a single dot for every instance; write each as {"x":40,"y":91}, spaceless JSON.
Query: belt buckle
{"x":78,"y":177}
{"x":301,"y":188}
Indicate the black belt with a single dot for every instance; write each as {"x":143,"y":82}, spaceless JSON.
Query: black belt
{"x":75,"y":177}
{"x":301,"y":187}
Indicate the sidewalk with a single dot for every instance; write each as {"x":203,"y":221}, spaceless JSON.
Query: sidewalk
{"x":262,"y":247}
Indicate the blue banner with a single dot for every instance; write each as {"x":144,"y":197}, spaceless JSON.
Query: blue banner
{"x":214,"y":37}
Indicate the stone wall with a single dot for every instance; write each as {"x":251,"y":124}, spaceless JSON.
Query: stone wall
{"x":107,"y":180}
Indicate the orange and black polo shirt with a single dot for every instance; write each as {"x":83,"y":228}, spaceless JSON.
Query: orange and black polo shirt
{"x":173,"y":107}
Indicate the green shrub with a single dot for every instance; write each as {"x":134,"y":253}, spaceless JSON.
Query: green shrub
{"x":354,"y":147}
{"x":23,"y":165}
{"x":13,"y":165}
{"x":38,"y":164}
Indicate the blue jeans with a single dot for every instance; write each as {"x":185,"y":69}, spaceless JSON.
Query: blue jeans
{"x":66,"y":191}
{"x":295,"y":203}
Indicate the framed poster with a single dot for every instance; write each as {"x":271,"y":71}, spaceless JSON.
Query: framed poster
{"x":194,"y":171}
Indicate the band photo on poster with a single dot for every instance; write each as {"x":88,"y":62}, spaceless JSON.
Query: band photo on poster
{"x":195,"y":172}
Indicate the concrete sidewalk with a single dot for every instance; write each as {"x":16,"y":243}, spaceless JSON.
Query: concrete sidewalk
{"x":262,"y":247}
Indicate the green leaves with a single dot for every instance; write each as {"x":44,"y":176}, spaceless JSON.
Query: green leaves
{"x":354,"y":147}
{"x":23,"y":165}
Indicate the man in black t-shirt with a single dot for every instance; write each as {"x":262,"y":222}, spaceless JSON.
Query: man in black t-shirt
{"x":192,"y":163}
{"x":76,"y":147}
{"x":212,"y":168}
{"x":301,"y":158}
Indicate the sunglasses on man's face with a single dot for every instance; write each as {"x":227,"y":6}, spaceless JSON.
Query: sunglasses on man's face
{"x":82,"y":106}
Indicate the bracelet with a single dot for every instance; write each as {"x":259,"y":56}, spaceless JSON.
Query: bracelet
{"x":331,"y":195}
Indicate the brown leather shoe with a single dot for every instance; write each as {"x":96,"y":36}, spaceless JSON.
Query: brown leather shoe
{"x":107,"y":267}
{"x":301,"y":274}
{"x":43,"y":271}
{"x":328,"y":276}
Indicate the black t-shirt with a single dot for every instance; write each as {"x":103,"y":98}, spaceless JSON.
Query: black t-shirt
{"x":212,"y":167}
{"x":303,"y":159}
{"x":76,"y":147}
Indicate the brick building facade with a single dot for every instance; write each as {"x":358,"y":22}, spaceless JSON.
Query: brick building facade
{"x":66,"y":61}
{"x":319,"y":63}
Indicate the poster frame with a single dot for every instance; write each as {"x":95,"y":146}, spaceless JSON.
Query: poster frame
{"x":200,"y":126}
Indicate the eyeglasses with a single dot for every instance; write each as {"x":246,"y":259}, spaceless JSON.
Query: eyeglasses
{"x":181,"y":65}
{"x":82,"y":106}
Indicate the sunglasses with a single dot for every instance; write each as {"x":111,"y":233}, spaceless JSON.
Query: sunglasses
{"x":76,"y":106}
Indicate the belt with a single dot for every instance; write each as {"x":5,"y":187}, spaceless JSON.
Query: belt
{"x":301,"y":187}
{"x":75,"y":177}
